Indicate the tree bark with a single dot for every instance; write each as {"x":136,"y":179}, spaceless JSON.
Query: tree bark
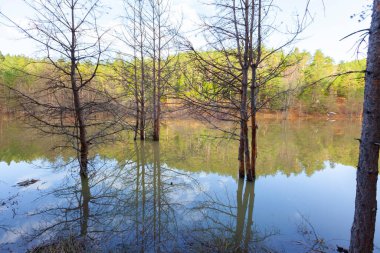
{"x":241,"y":155}
{"x":156,"y":135}
{"x":157,"y":88}
{"x":363,"y":228}
{"x":252,"y":170}
{"x":254,"y":92}
{"x":246,"y":151}
{"x":244,"y":141}
{"x":83,"y":149}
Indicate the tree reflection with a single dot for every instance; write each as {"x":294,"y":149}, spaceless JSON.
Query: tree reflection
{"x":85,"y":207}
{"x":229,"y":226}
{"x":125,"y":207}
{"x":141,"y":204}
{"x":244,"y":204}
{"x":285,"y":147}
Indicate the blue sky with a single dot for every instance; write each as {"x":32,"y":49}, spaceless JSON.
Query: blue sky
{"x":331,"y":23}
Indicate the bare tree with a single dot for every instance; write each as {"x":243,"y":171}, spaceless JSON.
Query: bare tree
{"x":163,"y":51}
{"x":236,"y":70}
{"x":70,"y":103}
{"x":363,"y":228}
{"x":135,"y":57}
{"x":133,"y":61}
{"x":153,"y":59}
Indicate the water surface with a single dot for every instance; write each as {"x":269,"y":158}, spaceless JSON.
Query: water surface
{"x":183,"y":194}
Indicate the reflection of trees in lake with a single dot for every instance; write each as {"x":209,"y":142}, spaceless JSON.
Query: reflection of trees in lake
{"x":154,"y":221}
{"x":227,"y":225}
{"x":131,"y":207}
{"x":143,"y":205}
{"x":244,"y":204}
{"x":287,"y":147}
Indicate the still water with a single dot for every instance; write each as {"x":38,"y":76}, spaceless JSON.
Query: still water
{"x":183,"y":194}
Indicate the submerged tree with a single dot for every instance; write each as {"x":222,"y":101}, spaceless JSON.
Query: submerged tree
{"x":133,"y":71}
{"x":363,"y":228}
{"x":162,"y":50}
{"x":151,"y":58}
{"x":69,"y":102}
{"x":236,"y":70}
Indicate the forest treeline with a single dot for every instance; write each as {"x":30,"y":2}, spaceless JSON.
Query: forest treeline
{"x":314,"y":85}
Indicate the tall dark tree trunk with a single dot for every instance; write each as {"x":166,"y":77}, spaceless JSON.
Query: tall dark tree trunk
{"x":83,"y":148}
{"x":83,"y":156}
{"x":244,"y":122}
{"x":363,"y":228}
{"x":247,"y":152}
{"x":252,"y":170}
{"x":241,"y":154}
{"x":136,"y":130}
{"x":156,"y":123}
{"x":254,"y":94}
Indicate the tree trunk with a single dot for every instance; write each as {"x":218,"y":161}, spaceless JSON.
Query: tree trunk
{"x":253,"y":144}
{"x":156,"y":120}
{"x":254,"y":93}
{"x":83,"y":156}
{"x":137,"y":104}
{"x":244,"y":145}
{"x":252,"y":169}
{"x":83,"y":149}
{"x":241,"y":155}
{"x":156,"y":130}
{"x":363,"y":228}
{"x":246,"y":152}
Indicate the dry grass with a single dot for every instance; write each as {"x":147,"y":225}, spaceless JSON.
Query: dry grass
{"x":67,"y":245}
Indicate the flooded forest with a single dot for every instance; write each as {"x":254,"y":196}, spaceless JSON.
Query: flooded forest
{"x":125,"y":132}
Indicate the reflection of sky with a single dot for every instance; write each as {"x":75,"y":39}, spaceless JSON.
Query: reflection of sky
{"x":14,"y":212}
{"x":325,"y":199}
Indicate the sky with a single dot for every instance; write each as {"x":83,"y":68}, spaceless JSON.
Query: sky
{"x":331,"y":22}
